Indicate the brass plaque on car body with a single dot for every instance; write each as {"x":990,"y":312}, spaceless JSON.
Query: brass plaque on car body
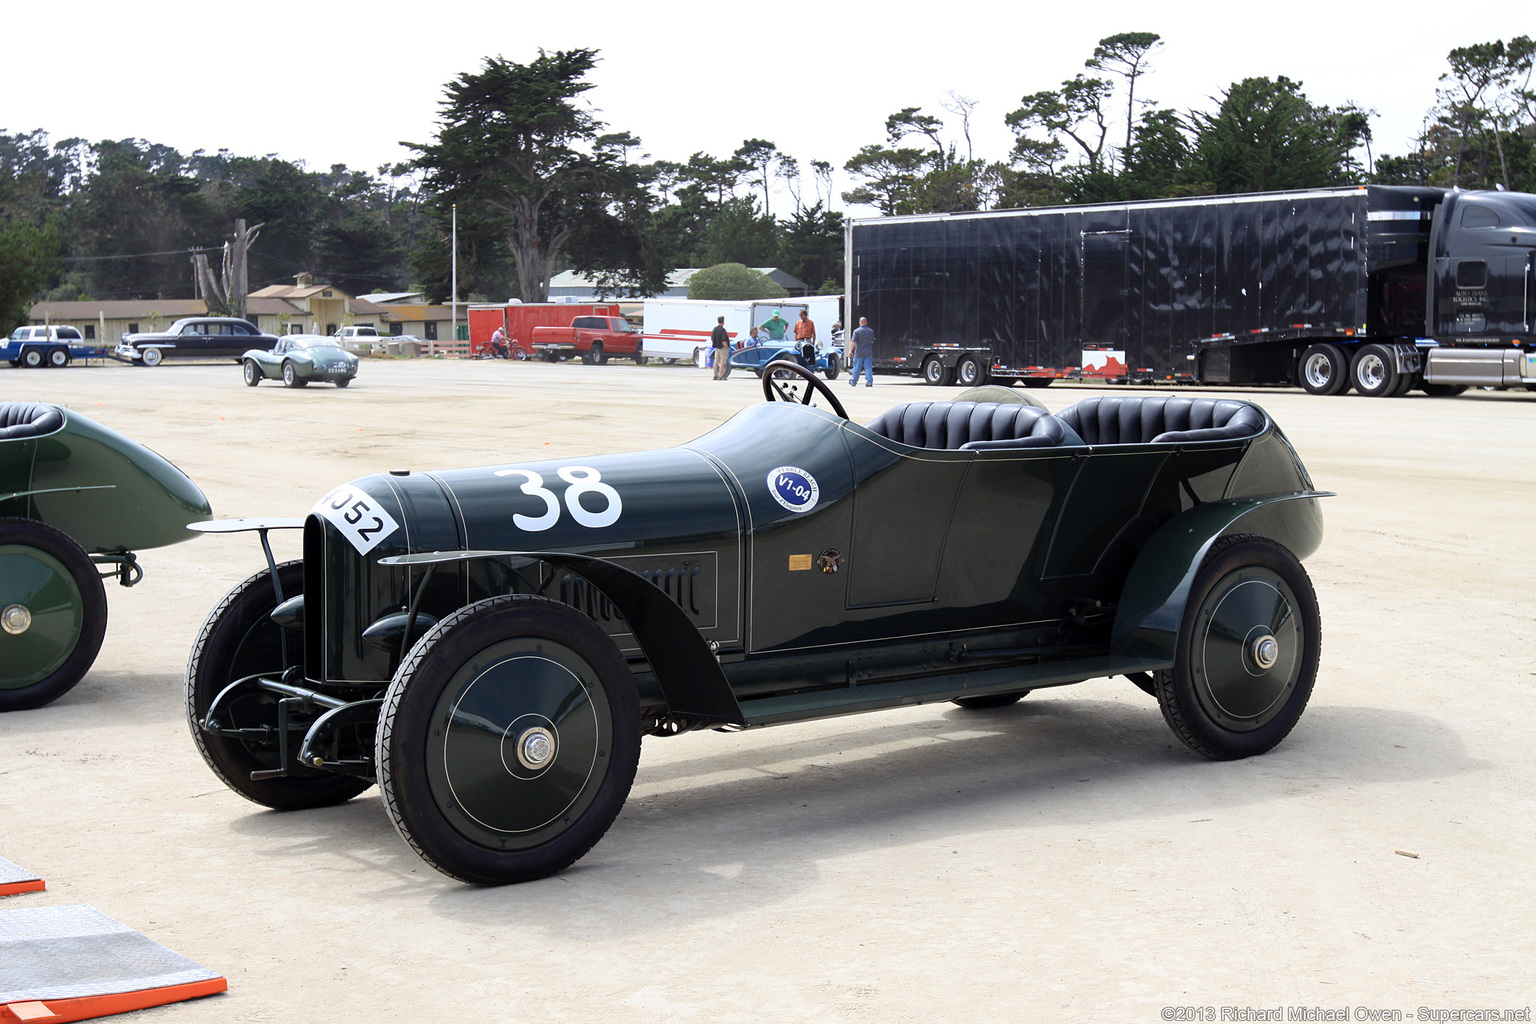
{"x":800,"y":563}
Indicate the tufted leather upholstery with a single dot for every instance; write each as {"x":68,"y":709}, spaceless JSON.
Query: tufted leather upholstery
{"x":28,"y":419}
{"x":1162,"y":418}
{"x":969,"y":425}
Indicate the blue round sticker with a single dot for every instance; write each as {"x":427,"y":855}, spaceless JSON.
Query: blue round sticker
{"x":793,"y":488}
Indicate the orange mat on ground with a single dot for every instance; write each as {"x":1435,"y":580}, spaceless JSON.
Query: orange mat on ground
{"x":72,"y":963}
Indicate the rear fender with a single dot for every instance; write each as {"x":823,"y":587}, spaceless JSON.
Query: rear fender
{"x":1151,"y":606}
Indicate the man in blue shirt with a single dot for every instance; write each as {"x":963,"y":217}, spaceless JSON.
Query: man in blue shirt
{"x":861,"y":352}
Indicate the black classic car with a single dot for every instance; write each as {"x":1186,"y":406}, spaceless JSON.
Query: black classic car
{"x":202,"y":337}
{"x":490,"y":644}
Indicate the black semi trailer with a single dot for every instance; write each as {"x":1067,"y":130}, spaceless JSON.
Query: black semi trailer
{"x":1382,"y":288}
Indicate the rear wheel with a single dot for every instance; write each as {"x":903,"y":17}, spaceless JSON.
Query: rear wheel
{"x":238,"y":640}
{"x":1323,"y":370}
{"x":53,"y":613}
{"x":59,"y":357}
{"x":1247,"y":651}
{"x":251,"y":372}
{"x":936,"y":373}
{"x":1373,"y":371}
{"x":291,"y":378}
{"x":1036,"y":382}
{"x":991,"y":700}
{"x":508,"y":740}
{"x":969,"y":372}
{"x":1406,"y":382}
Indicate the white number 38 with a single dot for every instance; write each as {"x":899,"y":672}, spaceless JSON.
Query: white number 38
{"x":582,"y":480}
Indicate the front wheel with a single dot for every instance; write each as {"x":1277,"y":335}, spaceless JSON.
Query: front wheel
{"x":991,"y":700}
{"x":252,"y":373}
{"x":53,"y":613}
{"x":834,"y":367}
{"x":238,"y":640}
{"x":152,"y":357}
{"x":1247,"y":651}
{"x":1442,"y":390}
{"x":32,"y":358}
{"x":508,"y":740}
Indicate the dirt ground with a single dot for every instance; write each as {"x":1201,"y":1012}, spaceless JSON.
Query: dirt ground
{"x":1062,"y":859}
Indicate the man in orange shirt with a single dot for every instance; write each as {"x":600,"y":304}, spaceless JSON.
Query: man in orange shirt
{"x":805,"y":328}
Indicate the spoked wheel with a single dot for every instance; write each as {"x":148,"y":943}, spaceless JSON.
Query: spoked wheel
{"x":1247,"y":651}
{"x":783,"y":381}
{"x":239,"y":640}
{"x":1323,"y":370}
{"x":991,"y":700}
{"x":252,"y":373}
{"x":53,"y":613}
{"x":508,"y":740}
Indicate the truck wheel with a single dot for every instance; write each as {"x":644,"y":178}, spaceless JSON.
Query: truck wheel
{"x":53,"y":613}
{"x":641,"y":359}
{"x":508,"y":740}
{"x":936,"y":373}
{"x":1036,"y":382}
{"x":834,"y":366}
{"x":32,"y":358}
{"x":991,"y":700}
{"x":237,"y":640}
{"x":1323,"y":370}
{"x":969,"y":372}
{"x":58,"y":358}
{"x":1442,"y":390}
{"x":1247,"y":651}
{"x":291,"y":378}
{"x":152,"y":357}
{"x":1373,"y":371}
{"x":1406,"y":382}
{"x":596,"y":356}
{"x":251,"y":372}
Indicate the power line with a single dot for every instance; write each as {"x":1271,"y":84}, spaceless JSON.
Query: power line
{"x":139,"y":255}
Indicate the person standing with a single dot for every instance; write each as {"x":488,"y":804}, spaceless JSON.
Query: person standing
{"x":720,"y":340}
{"x":861,"y":353}
{"x":805,"y":328}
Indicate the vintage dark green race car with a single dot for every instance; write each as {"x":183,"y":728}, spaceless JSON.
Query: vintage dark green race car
{"x":74,"y":496}
{"x":490,"y":644}
{"x":298,"y":359}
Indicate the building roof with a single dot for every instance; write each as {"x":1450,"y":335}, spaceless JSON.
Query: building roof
{"x":120,"y":309}
{"x":297,"y":291}
{"x":395,"y":298}
{"x":412,"y":312}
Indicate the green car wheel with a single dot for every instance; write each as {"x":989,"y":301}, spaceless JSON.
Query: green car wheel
{"x":240,"y":639}
{"x":508,"y":740}
{"x":53,"y":613}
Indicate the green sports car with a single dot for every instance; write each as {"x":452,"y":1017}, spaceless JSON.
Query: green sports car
{"x":298,"y":359}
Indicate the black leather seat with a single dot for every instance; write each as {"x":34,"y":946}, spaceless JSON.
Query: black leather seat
{"x":969,"y":426}
{"x":1162,"y":419}
{"x":28,"y":419}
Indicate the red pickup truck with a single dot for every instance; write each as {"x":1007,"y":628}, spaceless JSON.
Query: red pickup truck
{"x":593,"y":338}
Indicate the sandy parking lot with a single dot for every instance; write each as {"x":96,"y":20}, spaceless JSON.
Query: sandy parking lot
{"x":1062,"y":859}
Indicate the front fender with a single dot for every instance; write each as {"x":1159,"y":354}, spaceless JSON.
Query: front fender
{"x":1151,"y":606}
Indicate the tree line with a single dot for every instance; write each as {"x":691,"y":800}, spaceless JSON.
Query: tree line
{"x":541,"y":184}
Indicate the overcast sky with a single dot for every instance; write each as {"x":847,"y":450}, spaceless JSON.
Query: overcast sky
{"x":328,"y":82}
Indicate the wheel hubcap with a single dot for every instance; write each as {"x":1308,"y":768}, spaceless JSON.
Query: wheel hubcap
{"x":520,"y":743}
{"x":1372,"y":372}
{"x":43,"y":617}
{"x":1245,"y":653}
{"x":1319,"y":370}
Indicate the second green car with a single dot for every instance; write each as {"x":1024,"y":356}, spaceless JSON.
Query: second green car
{"x":298,"y":359}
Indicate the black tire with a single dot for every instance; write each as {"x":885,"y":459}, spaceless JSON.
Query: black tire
{"x":595,"y":356}
{"x":58,"y":358}
{"x":641,"y":358}
{"x":991,"y":700}
{"x":1036,"y":382}
{"x":1442,"y":390}
{"x":1406,"y":382}
{"x":1220,"y":698}
{"x":52,"y":640}
{"x":238,"y":639}
{"x":475,"y":693}
{"x":291,"y":378}
{"x":936,"y":373}
{"x":251,"y":373}
{"x":834,"y":366}
{"x":32,"y":358}
{"x":343,"y":382}
{"x":1373,"y":371}
{"x":969,"y":372}
{"x":1323,"y":370}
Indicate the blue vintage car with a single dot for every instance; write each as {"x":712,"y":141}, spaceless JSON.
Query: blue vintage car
{"x":488,"y":645}
{"x":755,"y":357}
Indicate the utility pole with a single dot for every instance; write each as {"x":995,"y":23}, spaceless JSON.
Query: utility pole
{"x":454,"y":284}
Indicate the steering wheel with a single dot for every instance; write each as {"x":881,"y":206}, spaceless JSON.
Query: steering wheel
{"x":778,"y":385}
